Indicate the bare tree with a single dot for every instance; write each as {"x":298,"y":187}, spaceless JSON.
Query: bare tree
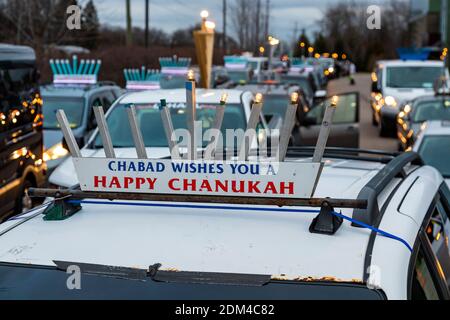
{"x":246,"y":17}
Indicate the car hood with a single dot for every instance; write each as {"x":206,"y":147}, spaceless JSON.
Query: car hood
{"x":52,"y":137}
{"x":64,"y":175}
{"x":404,"y":94}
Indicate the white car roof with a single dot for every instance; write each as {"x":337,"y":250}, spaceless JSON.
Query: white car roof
{"x":179,"y":95}
{"x":407,"y":63}
{"x":432,"y":128}
{"x":233,"y":238}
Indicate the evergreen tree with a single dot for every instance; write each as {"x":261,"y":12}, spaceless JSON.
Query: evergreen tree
{"x":300,"y":51}
{"x":320,"y":44}
{"x":90,"y":25}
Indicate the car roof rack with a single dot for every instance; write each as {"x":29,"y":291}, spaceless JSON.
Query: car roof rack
{"x":345,"y":153}
{"x":370,"y":192}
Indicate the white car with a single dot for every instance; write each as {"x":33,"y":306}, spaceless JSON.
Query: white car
{"x":396,"y":81}
{"x":433,"y":145}
{"x":237,"y":112}
{"x":179,"y":250}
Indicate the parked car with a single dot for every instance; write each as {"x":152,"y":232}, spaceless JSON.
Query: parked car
{"x":433,"y":145}
{"x":77,"y":102}
{"x":21,"y":143}
{"x":237,"y":113}
{"x":395,"y":81}
{"x":414,"y":113}
{"x":395,"y":249}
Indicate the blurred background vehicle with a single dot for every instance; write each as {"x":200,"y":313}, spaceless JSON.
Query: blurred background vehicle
{"x":433,"y":145}
{"x":398,"y":81}
{"x":147,"y":104}
{"x":21,"y":143}
{"x":414,"y":113}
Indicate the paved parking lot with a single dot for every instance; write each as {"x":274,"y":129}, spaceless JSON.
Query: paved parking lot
{"x":369,"y":137}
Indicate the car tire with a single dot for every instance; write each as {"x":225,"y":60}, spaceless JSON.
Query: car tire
{"x":24,"y":202}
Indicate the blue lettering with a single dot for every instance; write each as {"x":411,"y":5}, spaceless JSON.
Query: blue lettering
{"x":110,"y":165}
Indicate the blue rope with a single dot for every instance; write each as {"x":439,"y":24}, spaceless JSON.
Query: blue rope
{"x":193,"y":206}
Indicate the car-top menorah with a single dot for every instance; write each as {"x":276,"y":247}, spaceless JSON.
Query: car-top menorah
{"x":195,"y":176}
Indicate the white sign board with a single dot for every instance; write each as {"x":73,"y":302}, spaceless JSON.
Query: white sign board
{"x":166,"y":176}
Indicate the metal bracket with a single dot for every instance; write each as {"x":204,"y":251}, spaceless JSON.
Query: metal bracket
{"x":61,"y":209}
{"x":325,"y":222}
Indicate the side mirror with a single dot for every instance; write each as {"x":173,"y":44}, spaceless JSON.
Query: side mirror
{"x":79,"y":140}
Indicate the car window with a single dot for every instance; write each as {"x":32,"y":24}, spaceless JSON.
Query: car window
{"x":19,"y":99}
{"x":346,"y":110}
{"x":435,"y":152}
{"x":412,"y":77}
{"x":92,"y":123}
{"x":437,"y":232}
{"x":73,"y":108}
{"x":149,"y":119}
{"x":108,"y":100}
{"x":423,"y":286}
{"x":431,"y":110}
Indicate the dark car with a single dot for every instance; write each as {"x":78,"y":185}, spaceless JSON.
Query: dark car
{"x":21,"y":146}
{"x":415,"y":112}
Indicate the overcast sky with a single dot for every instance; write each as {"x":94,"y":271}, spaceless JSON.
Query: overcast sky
{"x":170,"y":15}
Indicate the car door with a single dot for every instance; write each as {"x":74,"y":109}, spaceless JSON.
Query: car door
{"x":431,"y":271}
{"x":345,"y":127}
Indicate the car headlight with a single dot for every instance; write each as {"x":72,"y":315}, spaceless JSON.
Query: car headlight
{"x":55,"y":152}
{"x":390,"y":101}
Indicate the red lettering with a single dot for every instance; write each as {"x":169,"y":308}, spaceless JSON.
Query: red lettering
{"x":289,"y":187}
{"x":235,"y":188}
{"x":222,"y":185}
{"x":205,"y":185}
{"x":99,"y":180}
{"x":139,"y":182}
{"x":253,"y":187}
{"x":114,"y":183}
{"x":127,"y":181}
{"x":171,"y":186}
{"x":151,"y":183}
{"x":192,"y":184}
{"x":270,"y":187}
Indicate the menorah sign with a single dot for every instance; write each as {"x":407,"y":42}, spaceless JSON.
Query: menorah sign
{"x":195,"y":169}
{"x":65,"y":72}
{"x":142,"y":79}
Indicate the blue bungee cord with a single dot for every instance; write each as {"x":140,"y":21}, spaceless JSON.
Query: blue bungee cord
{"x":222,"y":207}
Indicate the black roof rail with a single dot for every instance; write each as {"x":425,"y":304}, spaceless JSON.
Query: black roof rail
{"x":345,"y":153}
{"x":370,"y":192}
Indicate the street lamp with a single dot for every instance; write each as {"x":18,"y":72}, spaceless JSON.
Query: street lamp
{"x":273,"y":42}
{"x":204,"y":47}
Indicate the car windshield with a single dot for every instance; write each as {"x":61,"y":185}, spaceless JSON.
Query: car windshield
{"x":238,"y":76}
{"x":302,"y":82}
{"x":438,"y":109}
{"x":37,"y":283}
{"x":435,"y":151}
{"x":275,"y":104}
{"x":412,"y":77}
{"x":73,"y":107}
{"x":149,"y":118}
